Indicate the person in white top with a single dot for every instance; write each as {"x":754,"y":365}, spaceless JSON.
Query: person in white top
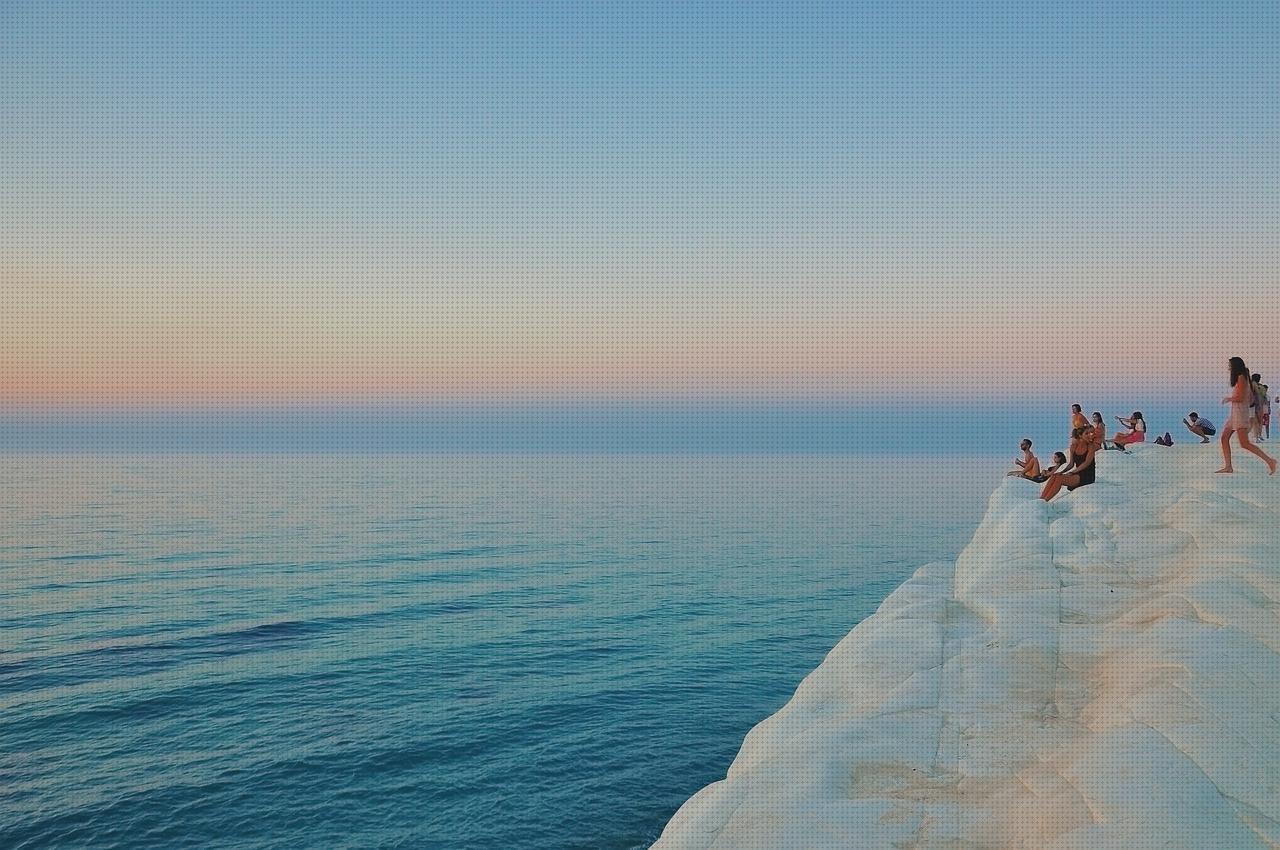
{"x":1137,"y":432}
{"x":1240,"y":420}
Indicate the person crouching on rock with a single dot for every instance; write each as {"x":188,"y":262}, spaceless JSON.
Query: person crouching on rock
{"x":1201,"y":427}
{"x":1080,"y":472}
{"x":1028,"y":465}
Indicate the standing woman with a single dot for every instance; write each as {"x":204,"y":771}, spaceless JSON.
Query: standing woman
{"x":1239,"y":419}
{"x":1081,"y":469}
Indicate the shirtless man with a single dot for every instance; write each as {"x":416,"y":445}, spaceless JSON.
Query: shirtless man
{"x":1028,"y":464}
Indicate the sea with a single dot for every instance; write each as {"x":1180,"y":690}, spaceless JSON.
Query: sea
{"x":527,"y":652}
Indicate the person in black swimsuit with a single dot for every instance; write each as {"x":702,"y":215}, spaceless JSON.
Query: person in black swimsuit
{"x":1080,"y":472}
{"x":1085,"y":470}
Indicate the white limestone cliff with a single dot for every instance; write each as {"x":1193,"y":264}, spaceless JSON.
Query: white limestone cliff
{"x":1098,"y":673}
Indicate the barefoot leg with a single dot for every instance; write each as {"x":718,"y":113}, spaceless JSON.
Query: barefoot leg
{"x":1054,"y":486}
{"x":1250,"y":447}
{"x":1226,"y":450}
{"x":1051,"y":487}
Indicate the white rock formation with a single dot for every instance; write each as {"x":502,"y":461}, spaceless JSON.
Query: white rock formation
{"x":1098,"y":673}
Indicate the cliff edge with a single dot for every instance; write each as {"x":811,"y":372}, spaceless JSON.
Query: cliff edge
{"x":1100,"y":672}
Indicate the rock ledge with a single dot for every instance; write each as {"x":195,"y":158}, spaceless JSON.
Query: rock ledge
{"x":1101,"y":672}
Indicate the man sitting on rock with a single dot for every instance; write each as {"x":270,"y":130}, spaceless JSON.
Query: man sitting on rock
{"x":1028,"y":465}
{"x":1200,"y":426}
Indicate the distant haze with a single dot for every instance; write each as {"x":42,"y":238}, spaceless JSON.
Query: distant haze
{"x":913,"y":427}
{"x":210,"y":212}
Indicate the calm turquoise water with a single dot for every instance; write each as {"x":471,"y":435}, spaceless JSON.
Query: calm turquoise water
{"x":379,"y":651}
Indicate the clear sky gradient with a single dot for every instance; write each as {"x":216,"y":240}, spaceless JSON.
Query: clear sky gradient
{"x":234,"y":207}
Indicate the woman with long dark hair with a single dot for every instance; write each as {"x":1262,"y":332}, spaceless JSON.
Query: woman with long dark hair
{"x":1099,"y":436}
{"x":1080,"y":472}
{"x":1059,"y":462}
{"x":1137,"y":432}
{"x":1239,"y":420}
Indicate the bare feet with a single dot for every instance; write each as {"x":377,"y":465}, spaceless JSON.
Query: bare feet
{"x":1273,"y":468}
{"x":1226,"y":469}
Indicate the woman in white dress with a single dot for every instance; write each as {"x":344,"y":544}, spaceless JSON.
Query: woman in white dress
{"x":1240,"y":418}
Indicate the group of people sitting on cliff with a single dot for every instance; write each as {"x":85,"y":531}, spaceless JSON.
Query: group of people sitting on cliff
{"x":1075,"y":467}
{"x":1249,"y":419}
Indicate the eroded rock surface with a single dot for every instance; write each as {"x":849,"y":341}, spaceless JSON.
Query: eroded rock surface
{"x":1101,"y":672}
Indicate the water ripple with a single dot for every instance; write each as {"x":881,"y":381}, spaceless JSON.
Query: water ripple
{"x":518,"y":652}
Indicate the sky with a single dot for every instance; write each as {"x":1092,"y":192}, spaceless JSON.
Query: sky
{"x":472,"y":211}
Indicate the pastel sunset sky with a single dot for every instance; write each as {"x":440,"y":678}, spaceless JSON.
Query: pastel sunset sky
{"x":274,"y":206}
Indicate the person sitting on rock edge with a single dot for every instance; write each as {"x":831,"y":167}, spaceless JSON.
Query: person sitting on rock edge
{"x":1059,"y":463}
{"x":1028,"y":464}
{"x":1077,"y":417}
{"x":1137,"y":432}
{"x":1079,"y":473}
{"x":1099,"y":435}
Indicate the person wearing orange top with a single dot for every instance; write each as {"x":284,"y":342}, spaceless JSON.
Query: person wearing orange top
{"x":1077,"y":417}
{"x":1239,"y":421}
{"x":1098,"y":436}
